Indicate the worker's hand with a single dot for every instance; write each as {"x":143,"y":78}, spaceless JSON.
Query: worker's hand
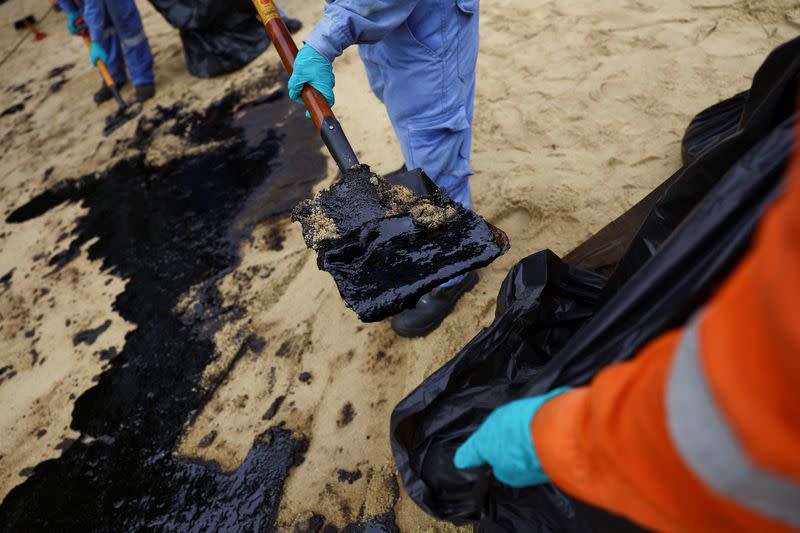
{"x":97,"y":53}
{"x":311,"y":68}
{"x":504,"y":442}
{"x":75,"y":23}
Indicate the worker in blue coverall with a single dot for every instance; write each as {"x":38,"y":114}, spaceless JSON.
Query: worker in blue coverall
{"x":118,"y":38}
{"x":420,"y":57}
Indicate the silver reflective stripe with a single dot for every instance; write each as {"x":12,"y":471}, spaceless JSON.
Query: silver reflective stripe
{"x":710,"y":448}
{"x":108,"y":32}
{"x":133,"y":41}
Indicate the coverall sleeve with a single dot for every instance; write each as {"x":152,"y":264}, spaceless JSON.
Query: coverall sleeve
{"x":617,"y":443}
{"x":94,"y":15}
{"x":348,"y":22}
{"x":67,"y":6}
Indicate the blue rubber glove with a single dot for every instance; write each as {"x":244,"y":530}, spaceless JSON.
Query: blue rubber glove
{"x":75,"y":23}
{"x":97,"y":53}
{"x":504,"y":442}
{"x":310,"y":67}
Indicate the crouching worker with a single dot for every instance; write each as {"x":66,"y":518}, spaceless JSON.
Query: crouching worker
{"x":701,"y":431}
{"x":420,"y":59}
{"x":118,"y":38}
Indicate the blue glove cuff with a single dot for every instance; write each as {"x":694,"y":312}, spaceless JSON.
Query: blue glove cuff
{"x":311,"y":67}
{"x":532,"y":406}
{"x":96,"y":52}
{"x":504,"y":441}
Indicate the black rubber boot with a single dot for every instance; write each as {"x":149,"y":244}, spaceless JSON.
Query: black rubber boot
{"x":145,"y":92}
{"x":293,"y":25}
{"x":431,"y":309}
{"x":105,"y":94}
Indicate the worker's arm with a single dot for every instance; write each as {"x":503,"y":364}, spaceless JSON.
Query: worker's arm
{"x":94,"y":15}
{"x":344,"y":23}
{"x":74,"y":23}
{"x":67,"y":6}
{"x":348,"y":22}
{"x":700,"y":431}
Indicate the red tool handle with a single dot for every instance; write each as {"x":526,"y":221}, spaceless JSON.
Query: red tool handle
{"x":39,"y":35}
{"x":316,"y":104}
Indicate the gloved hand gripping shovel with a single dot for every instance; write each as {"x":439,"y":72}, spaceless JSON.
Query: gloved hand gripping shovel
{"x":124,"y":111}
{"x":385,"y":240}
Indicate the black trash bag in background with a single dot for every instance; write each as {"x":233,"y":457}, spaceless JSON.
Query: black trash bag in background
{"x":218,"y":37}
{"x":533,"y":347}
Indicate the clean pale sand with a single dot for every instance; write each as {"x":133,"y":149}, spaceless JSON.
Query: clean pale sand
{"x":581,"y":105}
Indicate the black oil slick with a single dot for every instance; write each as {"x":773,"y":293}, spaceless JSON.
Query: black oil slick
{"x":166,"y":229}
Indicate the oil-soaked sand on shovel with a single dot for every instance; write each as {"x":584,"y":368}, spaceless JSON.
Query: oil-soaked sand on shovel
{"x":385,"y":246}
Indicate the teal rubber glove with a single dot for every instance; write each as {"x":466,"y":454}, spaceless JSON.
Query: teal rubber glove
{"x":75,"y":23}
{"x":504,"y":442}
{"x":97,"y":53}
{"x":311,"y":67}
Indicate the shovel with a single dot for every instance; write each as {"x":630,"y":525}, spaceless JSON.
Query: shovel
{"x":385,"y":240}
{"x":124,"y":113}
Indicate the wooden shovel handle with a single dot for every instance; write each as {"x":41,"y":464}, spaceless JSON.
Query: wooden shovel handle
{"x":316,"y":104}
{"x":100,"y":65}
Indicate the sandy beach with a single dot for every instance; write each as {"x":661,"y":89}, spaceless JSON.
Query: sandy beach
{"x":580,"y":110}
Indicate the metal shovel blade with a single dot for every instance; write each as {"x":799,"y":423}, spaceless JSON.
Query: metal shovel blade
{"x":388,"y":240}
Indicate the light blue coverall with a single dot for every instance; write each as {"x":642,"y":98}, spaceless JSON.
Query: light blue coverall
{"x":117,"y":26}
{"x":420,"y":57}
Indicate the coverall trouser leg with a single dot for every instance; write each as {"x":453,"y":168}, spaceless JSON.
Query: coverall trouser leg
{"x":124,"y":37}
{"x":424,"y":72}
{"x":113,"y":49}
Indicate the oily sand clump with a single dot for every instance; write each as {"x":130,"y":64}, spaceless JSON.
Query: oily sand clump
{"x":400,"y":200}
{"x":320,"y":227}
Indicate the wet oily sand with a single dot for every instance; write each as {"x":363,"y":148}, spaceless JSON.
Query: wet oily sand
{"x":16,"y":108}
{"x":115,"y":120}
{"x":386,"y":246}
{"x":165,"y":229}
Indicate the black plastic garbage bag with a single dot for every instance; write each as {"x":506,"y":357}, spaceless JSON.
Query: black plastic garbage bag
{"x":547,"y":333}
{"x":218,"y":37}
{"x":725,"y":118}
{"x":542,"y":302}
{"x":712,"y":126}
{"x":544,"y":337}
{"x":772,"y":97}
{"x":604,"y":250}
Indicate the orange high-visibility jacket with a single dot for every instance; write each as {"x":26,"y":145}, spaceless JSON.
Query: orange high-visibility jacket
{"x":701,"y":431}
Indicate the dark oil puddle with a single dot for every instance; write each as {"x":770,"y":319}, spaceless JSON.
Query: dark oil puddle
{"x":164,"y":230}
{"x":20,"y":88}
{"x":59,"y":71}
{"x":16,"y":108}
{"x":295,"y":170}
{"x":57,"y":85}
